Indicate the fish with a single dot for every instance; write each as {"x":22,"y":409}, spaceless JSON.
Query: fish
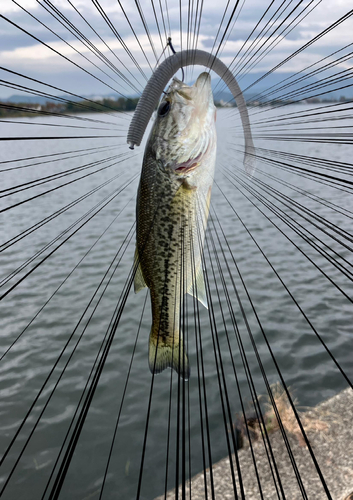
{"x":172,"y":208}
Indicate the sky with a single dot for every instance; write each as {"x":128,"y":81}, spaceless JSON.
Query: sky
{"x":22,"y":53}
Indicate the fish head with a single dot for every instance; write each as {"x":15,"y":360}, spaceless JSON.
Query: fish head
{"x":184,"y":131}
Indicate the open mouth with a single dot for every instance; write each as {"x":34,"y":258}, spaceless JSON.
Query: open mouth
{"x":188,"y":165}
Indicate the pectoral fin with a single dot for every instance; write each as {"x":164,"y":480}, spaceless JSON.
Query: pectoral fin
{"x":139,"y":281}
{"x":197,"y":288}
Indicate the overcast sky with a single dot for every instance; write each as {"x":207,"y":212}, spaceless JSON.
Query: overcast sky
{"x":21,"y":53}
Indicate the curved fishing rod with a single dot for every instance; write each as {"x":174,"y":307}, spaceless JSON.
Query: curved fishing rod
{"x":158,"y":81}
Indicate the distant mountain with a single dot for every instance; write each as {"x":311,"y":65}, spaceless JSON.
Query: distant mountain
{"x":291,"y":89}
{"x":18,"y":98}
{"x":294,"y":91}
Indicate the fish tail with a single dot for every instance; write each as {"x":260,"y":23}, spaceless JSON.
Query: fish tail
{"x":168,"y":351}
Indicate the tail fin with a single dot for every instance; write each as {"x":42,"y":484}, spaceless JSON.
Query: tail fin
{"x":168,"y":352}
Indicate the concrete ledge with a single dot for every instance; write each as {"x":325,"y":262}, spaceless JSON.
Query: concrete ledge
{"x":333,"y":450}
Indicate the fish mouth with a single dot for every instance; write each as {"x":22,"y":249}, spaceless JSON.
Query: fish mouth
{"x":188,"y":165}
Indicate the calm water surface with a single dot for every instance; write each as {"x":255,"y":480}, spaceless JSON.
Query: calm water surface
{"x":50,"y":338}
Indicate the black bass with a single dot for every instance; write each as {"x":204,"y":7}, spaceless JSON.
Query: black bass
{"x":171,"y":214}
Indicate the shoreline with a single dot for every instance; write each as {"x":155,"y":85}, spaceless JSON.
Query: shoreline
{"x":333,"y":449}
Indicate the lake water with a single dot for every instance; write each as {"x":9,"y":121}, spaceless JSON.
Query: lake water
{"x":27,"y":367}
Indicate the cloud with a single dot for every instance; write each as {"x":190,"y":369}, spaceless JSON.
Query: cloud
{"x":22,"y":53}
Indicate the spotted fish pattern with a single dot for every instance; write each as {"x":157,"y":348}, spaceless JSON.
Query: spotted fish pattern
{"x":171,"y":214}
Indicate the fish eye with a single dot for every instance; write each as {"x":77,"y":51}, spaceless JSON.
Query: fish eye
{"x":164,"y":108}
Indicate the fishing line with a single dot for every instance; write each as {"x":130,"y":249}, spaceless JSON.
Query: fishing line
{"x":247,"y":371}
{"x":188,"y":32}
{"x":199,"y":361}
{"x":333,"y":227}
{"x":224,"y":33}
{"x":51,"y":96}
{"x":83,"y":99}
{"x":274,"y":128}
{"x":196,"y":325}
{"x":52,"y":154}
{"x":306,"y":45}
{"x":65,"y":366}
{"x":171,"y":391}
{"x":162,"y":15}
{"x":319,"y":138}
{"x":181,"y":39}
{"x":198,"y":28}
{"x":231,"y":30}
{"x":63,"y":282}
{"x":273,"y":21}
{"x":297,"y":472}
{"x":181,"y":258}
{"x":185,"y":330}
{"x":332,"y":181}
{"x":269,"y":49}
{"x":244,"y":355}
{"x":168,"y":432}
